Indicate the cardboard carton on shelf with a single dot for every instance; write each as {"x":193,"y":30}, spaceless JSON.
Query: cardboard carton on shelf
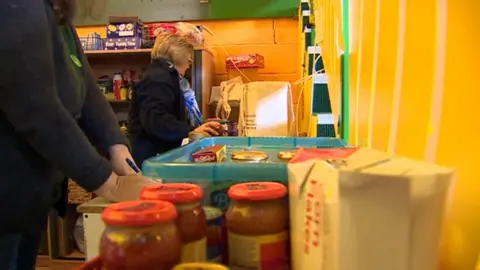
{"x":124,"y":33}
{"x":122,"y":27}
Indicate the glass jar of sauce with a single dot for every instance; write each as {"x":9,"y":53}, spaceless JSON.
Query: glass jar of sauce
{"x":200,"y":266}
{"x":140,"y":235}
{"x":257,"y":222}
{"x":191,"y":221}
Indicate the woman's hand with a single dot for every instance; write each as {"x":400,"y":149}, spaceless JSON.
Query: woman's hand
{"x":118,"y":155}
{"x":212,"y":128}
{"x":123,"y":188}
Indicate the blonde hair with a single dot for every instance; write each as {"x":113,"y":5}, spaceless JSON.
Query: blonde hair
{"x":173,"y":47}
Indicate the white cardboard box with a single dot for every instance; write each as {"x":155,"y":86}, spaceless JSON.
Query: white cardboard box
{"x":365,"y":210}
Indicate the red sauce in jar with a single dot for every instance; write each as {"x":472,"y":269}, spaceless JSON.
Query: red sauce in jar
{"x":191,"y":220}
{"x":140,"y":235}
{"x":257,"y":222}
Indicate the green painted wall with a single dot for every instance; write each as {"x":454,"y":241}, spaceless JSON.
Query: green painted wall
{"x":247,"y":9}
{"x":97,"y":12}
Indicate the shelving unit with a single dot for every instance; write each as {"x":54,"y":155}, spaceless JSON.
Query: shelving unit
{"x":134,"y":52}
{"x":118,"y":52}
{"x":315,"y":117}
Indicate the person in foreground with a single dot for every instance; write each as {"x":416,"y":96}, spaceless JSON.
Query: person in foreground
{"x":157,"y":118}
{"x":50,"y":110}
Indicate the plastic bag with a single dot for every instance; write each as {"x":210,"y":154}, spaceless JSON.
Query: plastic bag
{"x":193,"y":32}
{"x":78,"y":234}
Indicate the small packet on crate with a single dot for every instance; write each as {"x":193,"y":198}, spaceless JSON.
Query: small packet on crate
{"x":216,"y":153}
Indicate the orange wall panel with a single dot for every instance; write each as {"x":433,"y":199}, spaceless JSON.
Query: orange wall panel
{"x":423,"y":56}
{"x":417,"y":83}
{"x":364,"y":69}
{"x":384,"y":81}
{"x":458,"y":144}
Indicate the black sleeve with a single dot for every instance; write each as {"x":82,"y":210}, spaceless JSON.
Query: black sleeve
{"x":156,"y":96}
{"x":29,"y":98}
{"x":98,"y":119}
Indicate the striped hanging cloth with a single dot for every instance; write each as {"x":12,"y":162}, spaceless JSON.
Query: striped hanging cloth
{"x":196,"y":117}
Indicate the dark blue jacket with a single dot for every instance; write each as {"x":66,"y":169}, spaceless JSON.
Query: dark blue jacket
{"x":157,"y":118}
{"x":50,"y":110}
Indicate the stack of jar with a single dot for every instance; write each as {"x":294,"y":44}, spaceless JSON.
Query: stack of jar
{"x":169,"y":228}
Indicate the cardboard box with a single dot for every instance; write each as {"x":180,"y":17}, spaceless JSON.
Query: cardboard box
{"x":123,"y":43}
{"x":216,"y":153}
{"x":363,"y":209}
{"x":121,"y":27}
{"x":155,"y":28}
{"x":245,"y":61}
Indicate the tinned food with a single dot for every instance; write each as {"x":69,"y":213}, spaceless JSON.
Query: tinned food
{"x":287,"y":155}
{"x":249,"y":156}
{"x":200,"y":266}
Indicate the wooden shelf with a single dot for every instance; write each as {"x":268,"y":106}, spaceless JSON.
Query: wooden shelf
{"x":134,"y":52}
{"x":65,"y":264}
{"x":117,"y":53}
{"x":76,"y":255}
{"x":119,"y":101}
{"x":110,"y":52}
{"x":43,"y":261}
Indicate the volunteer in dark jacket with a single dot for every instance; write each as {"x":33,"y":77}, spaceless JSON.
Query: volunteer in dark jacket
{"x":50,"y":107}
{"x":157,"y":119}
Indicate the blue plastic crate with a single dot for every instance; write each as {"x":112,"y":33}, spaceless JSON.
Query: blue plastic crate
{"x":215,"y":178}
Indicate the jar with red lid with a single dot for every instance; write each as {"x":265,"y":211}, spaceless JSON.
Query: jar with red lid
{"x":257,"y":226}
{"x":191,"y":221}
{"x":140,"y":235}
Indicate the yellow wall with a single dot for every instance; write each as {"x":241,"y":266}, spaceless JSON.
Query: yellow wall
{"x":414,"y":92}
{"x":275,"y":39}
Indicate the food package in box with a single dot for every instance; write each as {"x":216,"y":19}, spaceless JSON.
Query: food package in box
{"x":363,"y":209}
{"x":216,"y":153}
{"x":245,"y":61}
{"x":192,"y":32}
{"x":123,"y":27}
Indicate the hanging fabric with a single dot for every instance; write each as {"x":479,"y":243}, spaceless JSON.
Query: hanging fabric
{"x":195,"y":116}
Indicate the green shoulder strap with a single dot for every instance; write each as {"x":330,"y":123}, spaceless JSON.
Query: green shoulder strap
{"x":69,"y":40}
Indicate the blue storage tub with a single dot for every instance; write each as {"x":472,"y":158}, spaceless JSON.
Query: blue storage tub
{"x":216,"y":178}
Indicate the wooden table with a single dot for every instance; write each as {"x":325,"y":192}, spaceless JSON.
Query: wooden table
{"x":93,"y":225}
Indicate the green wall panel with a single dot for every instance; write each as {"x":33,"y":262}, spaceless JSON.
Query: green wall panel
{"x":97,"y":12}
{"x":245,"y":9}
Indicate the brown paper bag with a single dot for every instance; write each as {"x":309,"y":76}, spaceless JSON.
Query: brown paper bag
{"x":264,"y":109}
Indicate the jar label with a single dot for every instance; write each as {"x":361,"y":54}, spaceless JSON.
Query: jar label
{"x":195,"y":251}
{"x":258,"y":252}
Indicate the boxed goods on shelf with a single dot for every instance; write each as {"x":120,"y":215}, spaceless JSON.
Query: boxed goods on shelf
{"x":245,"y":61}
{"x":124,"y":33}
{"x":122,"y":27}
